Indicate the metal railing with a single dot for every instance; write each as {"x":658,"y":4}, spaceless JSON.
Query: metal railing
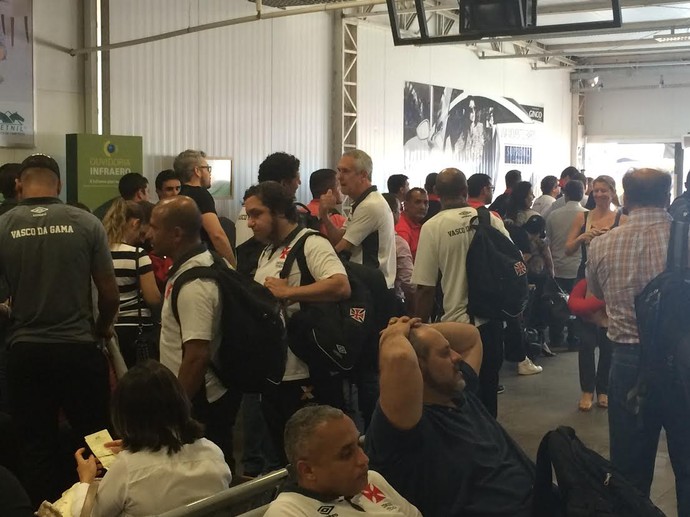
{"x":251,"y":497}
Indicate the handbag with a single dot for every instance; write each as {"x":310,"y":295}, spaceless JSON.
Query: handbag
{"x":555,"y":300}
{"x":147,"y":341}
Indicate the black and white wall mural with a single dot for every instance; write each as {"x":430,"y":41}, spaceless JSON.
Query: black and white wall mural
{"x":448,"y":127}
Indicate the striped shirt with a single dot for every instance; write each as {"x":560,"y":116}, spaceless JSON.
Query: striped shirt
{"x":623,"y":261}
{"x":124,"y":262}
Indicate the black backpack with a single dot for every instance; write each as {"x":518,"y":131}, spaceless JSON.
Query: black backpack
{"x":588,"y":485}
{"x":253,"y":347}
{"x":496,"y":272}
{"x":680,"y":208}
{"x":663,"y":324}
{"x":331,"y":337}
{"x":305,"y":218}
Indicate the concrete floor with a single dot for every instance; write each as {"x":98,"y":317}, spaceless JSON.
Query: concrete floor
{"x":533,"y":405}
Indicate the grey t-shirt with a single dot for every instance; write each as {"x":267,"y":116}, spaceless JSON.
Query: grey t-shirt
{"x":48,"y":252}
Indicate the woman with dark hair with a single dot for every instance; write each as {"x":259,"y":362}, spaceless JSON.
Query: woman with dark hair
{"x":162,"y":462}
{"x":587,"y":226}
{"x":125,"y":225}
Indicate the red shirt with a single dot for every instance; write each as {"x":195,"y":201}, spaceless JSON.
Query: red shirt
{"x":338,"y":220}
{"x":409,"y":230}
{"x":476,"y":203}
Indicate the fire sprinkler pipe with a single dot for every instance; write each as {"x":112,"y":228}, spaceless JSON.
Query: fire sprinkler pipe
{"x":260,"y":15}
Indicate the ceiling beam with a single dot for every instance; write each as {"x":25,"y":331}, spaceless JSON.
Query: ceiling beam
{"x":603,"y":44}
{"x":617,"y":52}
{"x":571,"y":7}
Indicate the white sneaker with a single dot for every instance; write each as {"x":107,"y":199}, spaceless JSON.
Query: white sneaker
{"x":527,"y":367}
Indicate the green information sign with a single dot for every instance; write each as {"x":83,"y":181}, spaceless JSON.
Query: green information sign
{"x":96,"y":163}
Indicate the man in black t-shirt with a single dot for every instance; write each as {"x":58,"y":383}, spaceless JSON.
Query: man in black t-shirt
{"x":432,"y":438}
{"x":50,"y":254}
{"x":195,"y":173}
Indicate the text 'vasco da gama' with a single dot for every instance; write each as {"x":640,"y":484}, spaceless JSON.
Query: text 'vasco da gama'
{"x":41,"y":230}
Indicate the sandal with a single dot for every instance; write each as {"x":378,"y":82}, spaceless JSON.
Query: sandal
{"x":603,"y":401}
{"x":586,"y":402}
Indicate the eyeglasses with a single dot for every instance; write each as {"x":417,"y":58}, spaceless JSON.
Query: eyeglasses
{"x":209,"y":167}
{"x":491,"y":187}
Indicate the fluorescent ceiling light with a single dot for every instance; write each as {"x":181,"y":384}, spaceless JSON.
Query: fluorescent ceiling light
{"x":670,"y":38}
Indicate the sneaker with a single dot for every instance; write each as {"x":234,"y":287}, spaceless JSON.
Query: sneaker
{"x":527,"y":367}
{"x":501,"y":388}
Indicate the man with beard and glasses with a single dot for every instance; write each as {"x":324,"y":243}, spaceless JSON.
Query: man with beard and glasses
{"x":432,"y":438}
{"x":272,"y":216}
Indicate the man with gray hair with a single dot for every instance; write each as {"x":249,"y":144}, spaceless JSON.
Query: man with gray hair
{"x":368,"y":233}
{"x":195,"y":173}
{"x":331,"y":472}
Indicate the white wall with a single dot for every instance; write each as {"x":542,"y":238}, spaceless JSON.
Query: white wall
{"x":632,"y":106}
{"x":58,"y":84}
{"x":384,"y":68}
{"x":242,"y":91}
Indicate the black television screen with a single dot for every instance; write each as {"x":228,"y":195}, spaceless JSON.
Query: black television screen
{"x":484,"y":15}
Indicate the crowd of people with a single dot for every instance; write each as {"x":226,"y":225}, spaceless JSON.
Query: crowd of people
{"x":422,"y":400}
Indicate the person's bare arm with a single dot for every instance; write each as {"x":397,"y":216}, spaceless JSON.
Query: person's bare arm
{"x":149,"y":290}
{"x":343,"y":245}
{"x":196,"y":354}
{"x":108,"y":302}
{"x":332,"y":289}
{"x":424,"y":302}
{"x":465,"y":340}
{"x":548,"y":261}
{"x":401,"y":385}
{"x":219,"y":239}
{"x":575,"y":238}
{"x":327,"y":202}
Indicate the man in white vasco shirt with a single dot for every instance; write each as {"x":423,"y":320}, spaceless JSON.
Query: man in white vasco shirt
{"x":330,"y":472}
{"x":186,"y":347}
{"x":273,"y":219}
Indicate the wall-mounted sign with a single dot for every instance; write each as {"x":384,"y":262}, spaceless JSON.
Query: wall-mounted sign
{"x":96,"y":163}
{"x":536,"y":113}
{"x":16,"y":74}
{"x":221,"y":177}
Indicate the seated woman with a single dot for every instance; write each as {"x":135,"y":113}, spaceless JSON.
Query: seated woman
{"x":162,"y":460}
{"x":139,"y":295}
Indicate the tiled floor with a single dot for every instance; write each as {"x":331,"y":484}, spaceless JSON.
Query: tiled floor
{"x":533,"y":405}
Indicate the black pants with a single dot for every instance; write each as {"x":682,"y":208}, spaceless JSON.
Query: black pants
{"x":593,"y":377}
{"x":492,"y":341}
{"x":280,"y":402}
{"x":514,"y":340}
{"x":44,"y":378}
{"x":219,"y":418}
{"x":556,"y":336}
{"x":127,"y":338}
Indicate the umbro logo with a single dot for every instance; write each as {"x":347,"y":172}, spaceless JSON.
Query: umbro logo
{"x":39,"y":211}
{"x":325,"y":510}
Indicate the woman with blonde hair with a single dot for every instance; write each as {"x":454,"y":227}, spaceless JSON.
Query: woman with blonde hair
{"x":587,"y":226}
{"x":126,"y":223}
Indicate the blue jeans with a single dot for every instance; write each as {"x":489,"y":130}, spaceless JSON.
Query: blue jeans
{"x":634,"y":438}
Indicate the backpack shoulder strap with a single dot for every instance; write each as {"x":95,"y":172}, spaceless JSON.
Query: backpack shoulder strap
{"x":186,"y":277}
{"x":297,"y":253}
{"x":677,"y":258}
{"x":543,"y":481}
{"x":484,"y":216}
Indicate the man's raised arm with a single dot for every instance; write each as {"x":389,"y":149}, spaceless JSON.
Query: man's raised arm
{"x":401,"y":384}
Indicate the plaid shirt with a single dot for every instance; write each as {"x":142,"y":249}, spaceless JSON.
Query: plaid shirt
{"x":621,"y":263}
